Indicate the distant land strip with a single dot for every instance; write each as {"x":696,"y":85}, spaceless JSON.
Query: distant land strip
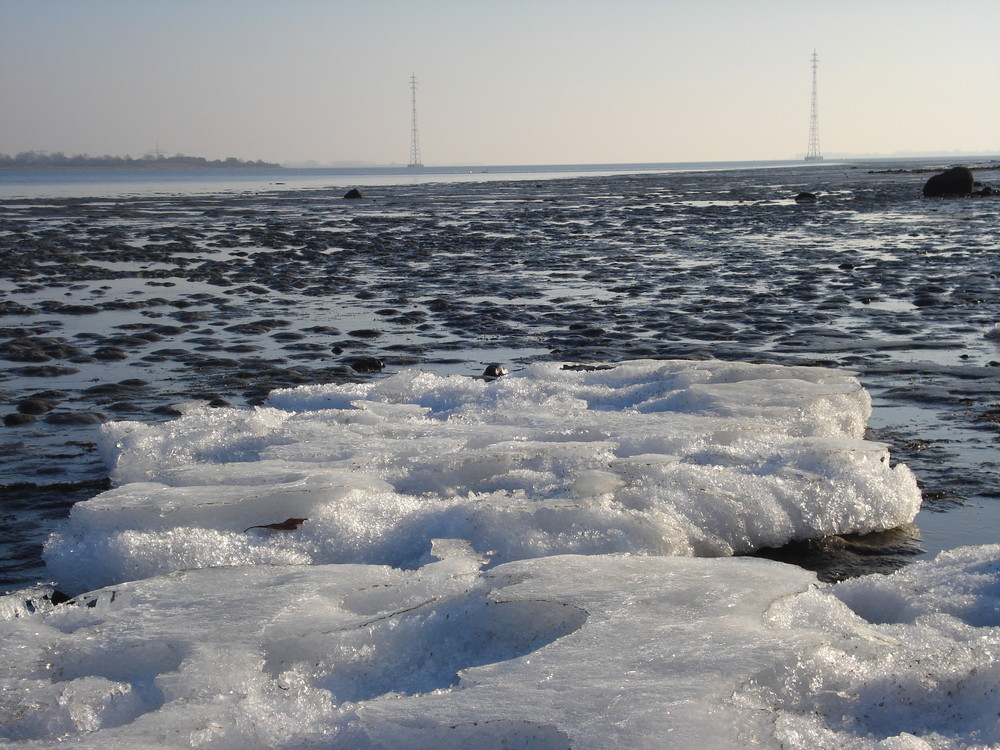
{"x":57,"y":160}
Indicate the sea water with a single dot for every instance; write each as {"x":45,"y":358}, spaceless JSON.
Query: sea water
{"x":297,"y":551}
{"x":91,"y":182}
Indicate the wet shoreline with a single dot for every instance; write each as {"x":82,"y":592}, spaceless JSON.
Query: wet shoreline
{"x":119,"y":308}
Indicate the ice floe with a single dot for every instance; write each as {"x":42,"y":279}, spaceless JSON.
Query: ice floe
{"x":542,"y":561}
{"x":647,"y":457}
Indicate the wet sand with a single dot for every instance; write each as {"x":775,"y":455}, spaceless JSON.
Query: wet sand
{"x":123,"y":308}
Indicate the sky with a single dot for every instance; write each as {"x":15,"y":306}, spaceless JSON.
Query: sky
{"x":513,"y":82}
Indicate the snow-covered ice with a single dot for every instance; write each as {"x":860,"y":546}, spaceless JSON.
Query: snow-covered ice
{"x":542,"y":561}
{"x":648,"y":457}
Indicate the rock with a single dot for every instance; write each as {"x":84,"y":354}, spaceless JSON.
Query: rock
{"x":957,"y":181}
{"x":16,"y":420}
{"x":354,"y":194}
{"x":806,"y":198}
{"x":494,"y":371}
{"x":366,"y":364}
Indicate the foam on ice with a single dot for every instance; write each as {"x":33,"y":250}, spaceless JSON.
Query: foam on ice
{"x":594,"y":651}
{"x":644,"y":457}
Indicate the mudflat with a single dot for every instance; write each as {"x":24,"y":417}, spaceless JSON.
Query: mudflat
{"x":123,"y":308}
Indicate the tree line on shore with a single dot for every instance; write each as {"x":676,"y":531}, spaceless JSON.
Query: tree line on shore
{"x":46,"y":160}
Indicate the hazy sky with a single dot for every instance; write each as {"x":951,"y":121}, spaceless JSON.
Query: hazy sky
{"x":510,"y":82}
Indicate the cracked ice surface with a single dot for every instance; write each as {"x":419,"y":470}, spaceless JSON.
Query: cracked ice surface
{"x":592,"y":651}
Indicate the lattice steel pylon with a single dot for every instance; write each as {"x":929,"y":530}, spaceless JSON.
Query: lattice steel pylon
{"x":813,"y":152}
{"x":414,"y":142}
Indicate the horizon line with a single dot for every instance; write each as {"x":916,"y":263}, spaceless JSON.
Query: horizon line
{"x":313,"y":164}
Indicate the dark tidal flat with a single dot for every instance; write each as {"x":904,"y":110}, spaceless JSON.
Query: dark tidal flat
{"x":121,"y":308}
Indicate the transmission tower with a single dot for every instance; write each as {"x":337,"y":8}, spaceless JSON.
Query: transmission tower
{"x":414,"y":143}
{"x":813,"y":153}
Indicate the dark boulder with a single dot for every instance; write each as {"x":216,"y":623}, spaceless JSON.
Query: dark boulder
{"x":354,"y":194}
{"x":366,"y":364}
{"x":957,"y":181}
{"x":806,"y":198}
{"x":494,"y":371}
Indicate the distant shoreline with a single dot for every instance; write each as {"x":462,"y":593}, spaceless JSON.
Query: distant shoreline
{"x":36,"y":160}
{"x":156,"y":167}
{"x":151,"y":168}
